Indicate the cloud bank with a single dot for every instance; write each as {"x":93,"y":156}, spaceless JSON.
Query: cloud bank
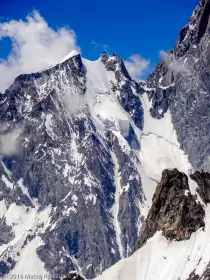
{"x":136,"y":66}
{"x":35,"y":46}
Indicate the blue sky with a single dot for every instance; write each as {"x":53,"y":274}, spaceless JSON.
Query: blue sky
{"x":135,"y":26}
{"x":127,"y":27}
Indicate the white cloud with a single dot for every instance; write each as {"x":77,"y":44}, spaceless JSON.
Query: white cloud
{"x":136,"y":66}
{"x":9,"y":143}
{"x":75,"y":104}
{"x":34,"y":46}
{"x":72,"y":102}
{"x":174,"y":64}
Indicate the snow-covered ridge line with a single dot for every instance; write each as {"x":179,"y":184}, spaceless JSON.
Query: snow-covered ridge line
{"x":66,"y":57}
{"x":69,"y":55}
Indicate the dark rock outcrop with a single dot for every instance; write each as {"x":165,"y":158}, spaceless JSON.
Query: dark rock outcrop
{"x":6,"y":266}
{"x":6,"y":232}
{"x":73,"y":276}
{"x":203,"y":181}
{"x":174,"y":210}
{"x":204,"y":276}
{"x":4,"y":269}
{"x":193,"y":276}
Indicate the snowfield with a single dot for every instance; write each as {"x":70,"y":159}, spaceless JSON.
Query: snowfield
{"x":162,"y":259}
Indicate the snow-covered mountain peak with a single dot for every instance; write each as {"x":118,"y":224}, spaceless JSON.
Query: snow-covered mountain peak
{"x":92,"y":142}
{"x":69,"y":55}
{"x":64,"y":59}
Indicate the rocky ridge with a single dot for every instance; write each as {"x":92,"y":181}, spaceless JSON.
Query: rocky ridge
{"x":174,"y":210}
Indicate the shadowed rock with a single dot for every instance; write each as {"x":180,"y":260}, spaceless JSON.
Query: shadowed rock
{"x":174,"y":210}
{"x":6,"y":233}
{"x":203,"y":181}
{"x":73,"y":276}
{"x":205,"y":275}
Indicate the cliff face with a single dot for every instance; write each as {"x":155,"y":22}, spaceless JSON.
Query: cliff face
{"x":180,"y":84}
{"x":174,"y":210}
{"x":203,"y":181}
{"x":70,"y":188}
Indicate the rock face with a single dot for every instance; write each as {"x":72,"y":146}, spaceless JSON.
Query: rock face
{"x":205,"y":275}
{"x":123,"y":88}
{"x":174,"y":210}
{"x":70,"y":166}
{"x":6,"y":233}
{"x":129,"y":176}
{"x":180,"y":84}
{"x":203,"y":181}
{"x":73,"y":276}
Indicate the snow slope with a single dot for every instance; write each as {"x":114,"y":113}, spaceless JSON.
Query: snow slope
{"x":160,"y":149}
{"x":162,"y":259}
{"x":105,"y":111}
{"x":25,"y":223}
